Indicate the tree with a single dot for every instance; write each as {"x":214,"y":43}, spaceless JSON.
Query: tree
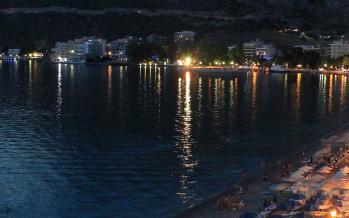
{"x":295,"y":56}
{"x":236,"y":54}
{"x":311,"y":59}
{"x":146,"y":52}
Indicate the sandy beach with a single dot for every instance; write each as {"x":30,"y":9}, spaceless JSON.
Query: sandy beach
{"x":259,"y":189}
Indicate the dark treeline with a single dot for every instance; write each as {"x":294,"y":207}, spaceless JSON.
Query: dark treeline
{"x":295,"y":56}
{"x":201,"y":50}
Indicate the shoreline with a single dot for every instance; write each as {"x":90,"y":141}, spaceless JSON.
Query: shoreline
{"x":202,"y":69}
{"x":205,"y":69}
{"x":208,"y":207}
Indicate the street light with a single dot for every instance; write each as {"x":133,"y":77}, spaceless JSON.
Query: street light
{"x":187,"y":61}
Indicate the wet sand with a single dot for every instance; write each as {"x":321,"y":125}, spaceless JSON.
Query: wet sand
{"x":254,"y":197}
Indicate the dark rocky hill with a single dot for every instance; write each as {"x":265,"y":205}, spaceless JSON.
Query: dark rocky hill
{"x":29,"y":28}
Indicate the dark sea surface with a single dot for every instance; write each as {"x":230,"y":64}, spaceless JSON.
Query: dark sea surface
{"x":110,"y":141}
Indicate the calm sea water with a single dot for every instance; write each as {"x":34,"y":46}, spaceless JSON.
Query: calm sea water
{"x":107,"y":141}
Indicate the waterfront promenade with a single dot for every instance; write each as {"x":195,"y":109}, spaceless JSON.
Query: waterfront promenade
{"x":205,"y":69}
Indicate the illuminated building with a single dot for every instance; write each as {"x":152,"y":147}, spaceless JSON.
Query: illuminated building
{"x":339,"y":48}
{"x":69,"y":52}
{"x":184,"y":36}
{"x":35,"y":55}
{"x":96,"y":48}
{"x":308,"y":48}
{"x":12,"y":55}
{"x":118,"y":48}
{"x":13,"y":52}
{"x":157,"y":39}
{"x":76,"y":51}
{"x":258,"y":48}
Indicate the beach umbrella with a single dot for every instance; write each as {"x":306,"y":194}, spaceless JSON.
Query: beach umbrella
{"x":303,"y":189}
{"x":339,"y":175}
{"x":279,"y":187}
{"x":345,"y":203}
{"x":299,"y":174}
{"x":345,"y":170}
{"x":316,"y":178}
{"x":328,"y":168}
{"x":345,"y":185}
{"x":324,"y":171}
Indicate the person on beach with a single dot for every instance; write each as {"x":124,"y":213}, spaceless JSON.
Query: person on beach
{"x":241,"y":191}
{"x":275,"y":199}
{"x":265,"y":177}
{"x":266,"y":203}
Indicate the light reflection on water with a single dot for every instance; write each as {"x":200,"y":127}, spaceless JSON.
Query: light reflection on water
{"x":298,"y":98}
{"x":59,"y":91}
{"x":146,"y":141}
{"x":184,"y":141}
{"x":110,"y":88}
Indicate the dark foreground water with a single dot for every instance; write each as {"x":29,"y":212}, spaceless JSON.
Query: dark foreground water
{"x":95,"y":141}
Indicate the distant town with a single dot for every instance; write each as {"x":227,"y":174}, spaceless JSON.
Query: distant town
{"x":182,"y":50}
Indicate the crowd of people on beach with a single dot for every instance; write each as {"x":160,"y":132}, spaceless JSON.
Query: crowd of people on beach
{"x":230,"y":202}
{"x":291,"y":200}
{"x":300,"y":201}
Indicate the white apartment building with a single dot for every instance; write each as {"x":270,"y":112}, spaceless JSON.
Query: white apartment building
{"x":13,"y":52}
{"x":118,"y":48}
{"x":70,"y":52}
{"x":96,"y":48}
{"x":157,"y":39}
{"x":339,"y":48}
{"x":184,"y":36}
{"x":259,"y":48}
{"x":12,"y":55}
{"x":249,"y":49}
{"x":307,"y":47}
{"x":76,"y":51}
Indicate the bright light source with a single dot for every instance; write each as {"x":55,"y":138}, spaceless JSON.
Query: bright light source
{"x":333,"y":213}
{"x":187,"y":61}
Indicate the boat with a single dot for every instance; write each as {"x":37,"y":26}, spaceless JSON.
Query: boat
{"x":68,"y":60}
{"x":278,"y":69}
{"x":244,"y":67}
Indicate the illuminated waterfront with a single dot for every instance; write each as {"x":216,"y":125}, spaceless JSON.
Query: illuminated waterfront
{"x":99,"y":141}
